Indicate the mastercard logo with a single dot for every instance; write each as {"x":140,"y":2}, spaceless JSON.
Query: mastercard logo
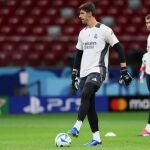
{"x":118,"y":104}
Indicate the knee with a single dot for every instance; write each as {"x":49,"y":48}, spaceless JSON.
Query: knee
{"x":88,"y":90}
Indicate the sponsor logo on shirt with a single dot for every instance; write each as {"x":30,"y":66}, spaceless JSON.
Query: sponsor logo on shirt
{"x":89,"y":45}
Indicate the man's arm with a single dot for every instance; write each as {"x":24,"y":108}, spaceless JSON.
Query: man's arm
{"x":125,"y":76}
{"x":142,"y":71}
{"x":77,"y":60}
{"x":121,"y":54}
{"x":76,"y":68}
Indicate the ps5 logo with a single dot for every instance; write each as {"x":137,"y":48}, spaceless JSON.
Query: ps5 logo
{"x":63,"y":105}
{"x":52,"y":104}
{"x":34,"y":106}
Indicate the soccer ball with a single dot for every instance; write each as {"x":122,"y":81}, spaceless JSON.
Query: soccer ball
{"x":62,"y":140}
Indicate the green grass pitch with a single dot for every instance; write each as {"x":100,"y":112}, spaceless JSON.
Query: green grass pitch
{"x":37,"y":132}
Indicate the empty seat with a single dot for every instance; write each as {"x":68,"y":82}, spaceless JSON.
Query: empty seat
{"x":13,"y":20}
{"x":45,"y":20}
{"x":18,"y":58}
{"x":24,"y":47}
{"x":29,"y":20}
{"x":4,"y":61}
{"x":42,"y":3}
{"x":8,"y":47}
{"x":38,"y":30}
{"x":51,"y":12}
{"x":36,"y":11}
{"x":5,"y":30}
{"x":11,"y":3}
{"x":34,"y":59}
{"x":22,"y":30}
{"x":49,"y":58}
{"x":20,"y":11}
{"x":5,"y":11}
{"x":39,"y":47}
{"x":57,"y":3}
{"x":27,"y":3}
{"x":131,"y":30}
{"x":69,"y":30}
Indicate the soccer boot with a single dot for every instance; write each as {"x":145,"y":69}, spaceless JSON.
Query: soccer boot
{"x":73,"y":132}
{"x":144,"y":133}
{"x":93,"y":143}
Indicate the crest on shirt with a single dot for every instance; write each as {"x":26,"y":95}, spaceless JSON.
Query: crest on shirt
{"x":95,"y":36}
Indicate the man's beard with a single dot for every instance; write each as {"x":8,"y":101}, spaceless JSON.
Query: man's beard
{"x":84,"y":22}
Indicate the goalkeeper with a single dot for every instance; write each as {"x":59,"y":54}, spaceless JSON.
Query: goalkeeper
{"x":92,"y":61}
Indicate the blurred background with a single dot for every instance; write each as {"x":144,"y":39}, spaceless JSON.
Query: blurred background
{"x":37,"y":45}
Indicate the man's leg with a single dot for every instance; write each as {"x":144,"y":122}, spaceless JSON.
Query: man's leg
{"x":146,"y":131}
{"x":86,"y":96}
{"x":93,"y":121}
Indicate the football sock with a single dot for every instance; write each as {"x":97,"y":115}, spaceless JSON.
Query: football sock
{"x":148,"y":127}
{"x":78,"y":124}
{"x":96,"y":136}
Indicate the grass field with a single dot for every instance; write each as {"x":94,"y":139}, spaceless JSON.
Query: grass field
{"x":37,"y":132}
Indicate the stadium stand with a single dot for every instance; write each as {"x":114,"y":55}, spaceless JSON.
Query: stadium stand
{"x":41,"y":32}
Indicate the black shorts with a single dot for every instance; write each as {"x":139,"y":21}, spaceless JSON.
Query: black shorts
{"x":94,"y":78}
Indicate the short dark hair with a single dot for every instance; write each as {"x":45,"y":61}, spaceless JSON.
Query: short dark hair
{"x":88,"y":7}
{"x":147,"y":17}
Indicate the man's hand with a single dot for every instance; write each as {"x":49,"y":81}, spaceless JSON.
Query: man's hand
{"x":75,"y":81}
{"x":125,"y":77}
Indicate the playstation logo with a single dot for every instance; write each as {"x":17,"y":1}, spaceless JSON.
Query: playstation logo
{"x":34,"y":107}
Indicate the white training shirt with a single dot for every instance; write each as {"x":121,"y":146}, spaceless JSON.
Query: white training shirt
{"x":148,"y":43}
{"x":95,"y":42}
{"x":146,"y":62}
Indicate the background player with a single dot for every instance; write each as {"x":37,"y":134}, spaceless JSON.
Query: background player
{"x":92,"y":61}
{"x":145,"y":69}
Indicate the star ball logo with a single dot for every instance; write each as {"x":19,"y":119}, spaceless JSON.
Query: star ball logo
{"x":118,"y":104}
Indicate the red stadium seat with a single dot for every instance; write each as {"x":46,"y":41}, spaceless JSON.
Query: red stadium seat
{"x":5,"y":30}
{"x":7,"y":47}
{"x":18,"y":58}
{"x":13,"y":20}
{"x":21,"y":11}
{"x":27,"y":3}
{"x":29,"y":21}
{"x":24,"y":47}
{"x":34,"y":59}
{"x":45,"y":20}
{"x":38,"y":30}
{"x":11,"y":3}
{"x":39,"y":47}
{"x":49,"y":58}
{"x":22,"y":30}
{"x":4,"y":61}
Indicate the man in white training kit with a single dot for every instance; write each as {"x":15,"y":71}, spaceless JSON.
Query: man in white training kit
{"x":92,"y":61}
{"x":145,"y":69}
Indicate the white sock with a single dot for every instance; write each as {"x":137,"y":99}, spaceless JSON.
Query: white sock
{"x":78,"y":124}
{"x":148,"y":127}
{"x":96,"y":136}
